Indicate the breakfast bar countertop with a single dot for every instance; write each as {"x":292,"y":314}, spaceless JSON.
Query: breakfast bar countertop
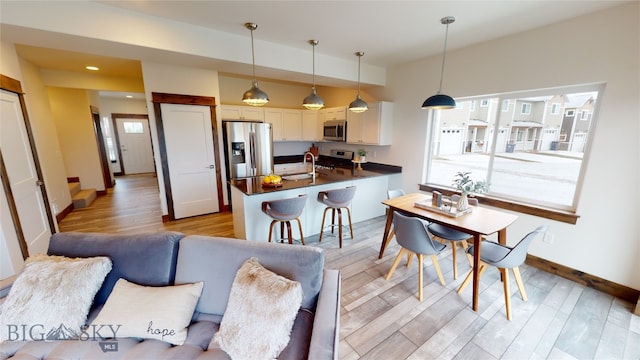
{"x":253,"y":186}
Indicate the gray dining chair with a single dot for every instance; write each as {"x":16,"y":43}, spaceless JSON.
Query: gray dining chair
{"x":283,"y":211}
{"x":455,"y":237}
{"x":394,"y":193}
{"x":505,"y":258}
{"x":414,"y":239}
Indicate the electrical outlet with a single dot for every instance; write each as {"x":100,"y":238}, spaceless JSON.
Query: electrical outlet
{"x":549,"y":238}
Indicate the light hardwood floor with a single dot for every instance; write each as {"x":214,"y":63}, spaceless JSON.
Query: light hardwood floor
{"x":384,"y":320}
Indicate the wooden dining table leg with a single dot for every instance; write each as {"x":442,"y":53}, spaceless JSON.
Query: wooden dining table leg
{"x":385,"y":237}
{"x":477,"y":238}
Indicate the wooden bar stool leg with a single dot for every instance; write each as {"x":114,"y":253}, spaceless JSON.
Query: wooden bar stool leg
{"x":333,"y":219}
{"x":281,"y":231}
{"x":340,"y":227}
{"x":300,"y":228}
{"x":288,"y":223}
{"x":271,"y":228}
{"x":324,"y":216}
{"x":350,"y":224}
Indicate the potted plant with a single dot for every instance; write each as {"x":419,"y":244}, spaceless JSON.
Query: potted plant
{"x":467,"y":187}
{"x":362,"y":155}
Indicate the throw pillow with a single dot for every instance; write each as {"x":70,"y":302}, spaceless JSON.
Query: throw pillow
{"x":260,"y":313}
{"x":149,"y":312}
{"x":51,"y":297}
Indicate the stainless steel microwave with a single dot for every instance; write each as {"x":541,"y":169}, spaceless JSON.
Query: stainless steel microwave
{"x":335,"y":130}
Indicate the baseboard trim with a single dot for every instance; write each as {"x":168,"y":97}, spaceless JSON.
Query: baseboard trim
{"x":73,"y":179}
{"x":594,"y":282}
{"x":101,"y":192}
{"x":165,"y":218}
{"x":63,"y":214}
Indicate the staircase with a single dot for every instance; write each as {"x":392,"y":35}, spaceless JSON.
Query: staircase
{"x":82,"y":198}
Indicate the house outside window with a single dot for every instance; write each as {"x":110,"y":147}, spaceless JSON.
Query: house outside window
{"x":505,"y":105}
{"x":484,"y":103}
{"x":525,"y":109}
{"x":584,"y":115}
{"x":472,"y":105}
{"x":519,"y":156}
{"x":555,"y":108}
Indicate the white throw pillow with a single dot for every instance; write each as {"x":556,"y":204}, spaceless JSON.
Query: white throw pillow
{"x":51,"y":297}
{"x":260,"y":313}
{"x":150,"y":312}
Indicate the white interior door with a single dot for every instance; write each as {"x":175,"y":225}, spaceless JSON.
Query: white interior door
{"x":23,"y":177}
{"x":191,"y":159}
{"x":135,"y":145}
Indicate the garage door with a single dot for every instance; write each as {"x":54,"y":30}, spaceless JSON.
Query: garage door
{"x":450,"y":141}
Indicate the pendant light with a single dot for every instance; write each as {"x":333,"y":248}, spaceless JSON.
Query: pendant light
{"x":441,"y":101}
{"x":358,"y":105}
{"x":254,"y":96}
{"x":313,"y":101}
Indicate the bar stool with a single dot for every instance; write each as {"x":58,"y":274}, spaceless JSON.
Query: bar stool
{"x":283,"y":211}
{"x":336,"y":200}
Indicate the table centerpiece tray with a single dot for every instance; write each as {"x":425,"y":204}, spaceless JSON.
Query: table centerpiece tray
{"x":447,"y":208}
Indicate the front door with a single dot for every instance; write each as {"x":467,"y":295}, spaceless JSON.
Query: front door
{"x":24,"y":181}
{"x":191,"y":159}
{"x":135,"y":145}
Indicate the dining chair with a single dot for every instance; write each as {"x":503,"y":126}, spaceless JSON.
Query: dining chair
{"x":394,"y":193}
{"x":454,"y":236}
{"x":505,"y":258}
{"x":414,"y":239}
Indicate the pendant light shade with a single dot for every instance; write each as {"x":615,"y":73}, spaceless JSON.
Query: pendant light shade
{"x":313,"y":101}
{"x":254,"y":96}
{"x":441,"y":101}
{"x":358,"y":105}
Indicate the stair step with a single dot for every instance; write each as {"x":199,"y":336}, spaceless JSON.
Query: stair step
{"x":74,"y":188}
{"x":84,"y":198}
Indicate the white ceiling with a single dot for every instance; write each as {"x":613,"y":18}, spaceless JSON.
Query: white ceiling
{"x":389,"y":32}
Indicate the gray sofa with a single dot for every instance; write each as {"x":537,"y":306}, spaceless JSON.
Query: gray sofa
{"x":168,"y":258}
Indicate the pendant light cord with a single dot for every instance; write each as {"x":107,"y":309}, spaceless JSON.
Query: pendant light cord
{"x":313,"y":68}
{"x":444,"y":56}
{"x":359,"y":56}
{"x":253,"y":58}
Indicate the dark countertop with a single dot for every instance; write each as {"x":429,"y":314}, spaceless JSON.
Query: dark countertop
{"x":253,"y":186}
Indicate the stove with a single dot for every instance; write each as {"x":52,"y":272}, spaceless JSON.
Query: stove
{"x":338,"y":158}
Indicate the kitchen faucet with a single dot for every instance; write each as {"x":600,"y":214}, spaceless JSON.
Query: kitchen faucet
{"x":313,"y":164}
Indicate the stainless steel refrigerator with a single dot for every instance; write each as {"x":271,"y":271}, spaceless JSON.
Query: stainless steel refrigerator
{"x":248,"y":149}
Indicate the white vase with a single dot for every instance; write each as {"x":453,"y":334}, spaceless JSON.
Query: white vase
{"x":463,"y":202}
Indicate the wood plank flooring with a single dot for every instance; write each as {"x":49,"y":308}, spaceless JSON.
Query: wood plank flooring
{"x":384,"y":320}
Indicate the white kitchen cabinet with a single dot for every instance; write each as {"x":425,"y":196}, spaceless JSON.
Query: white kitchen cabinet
{"x":286,"y":123}
{"x":335,"y":113}
{"x":372,"y":127}
{"x":311,"y":125}
{"x":243,"y":113}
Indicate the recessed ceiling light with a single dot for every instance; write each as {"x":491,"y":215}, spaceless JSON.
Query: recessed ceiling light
{"x":129,"y":96}
{"x":94,"y":68}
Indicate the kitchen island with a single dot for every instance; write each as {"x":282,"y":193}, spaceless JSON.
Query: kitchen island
{"x":247,"y":195}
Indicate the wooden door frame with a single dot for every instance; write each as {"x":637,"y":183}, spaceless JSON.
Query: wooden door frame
{"x":116,"y":135}
{"x":14,"y":86}
{"x":102,"y":148}
{"x":163,"y":98}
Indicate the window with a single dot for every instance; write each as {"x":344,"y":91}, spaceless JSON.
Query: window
{"x":555,"y":108}
{"x":584,"y":115}
{"x":106,"y":131}
{"x":484,"y":102}
{"x":133,"y":127}
{"x":472,"y":105}
{"x":570,"y":113}
{"x":505,"y":105}
{"x":519,"y":158}
{"x":525,"y":109}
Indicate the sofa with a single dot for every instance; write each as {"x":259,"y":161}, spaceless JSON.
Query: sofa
{"x":169,"y":259}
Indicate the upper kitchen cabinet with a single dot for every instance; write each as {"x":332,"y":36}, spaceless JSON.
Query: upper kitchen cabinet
{"x":243,"y":113}
{"x":335,"y":113}
{"x":372,"y":127}
{"x":312,"y":125}
{"x":286,"y":123}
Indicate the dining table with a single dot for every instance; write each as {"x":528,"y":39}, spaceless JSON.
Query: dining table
{"x":479,"y":222}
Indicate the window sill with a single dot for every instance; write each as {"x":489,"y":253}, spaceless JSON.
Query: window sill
{"x":557,"y":215}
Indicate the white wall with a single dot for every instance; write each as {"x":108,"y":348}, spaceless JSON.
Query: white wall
{"x":161,"y":78}
{"x":600,"y":47}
